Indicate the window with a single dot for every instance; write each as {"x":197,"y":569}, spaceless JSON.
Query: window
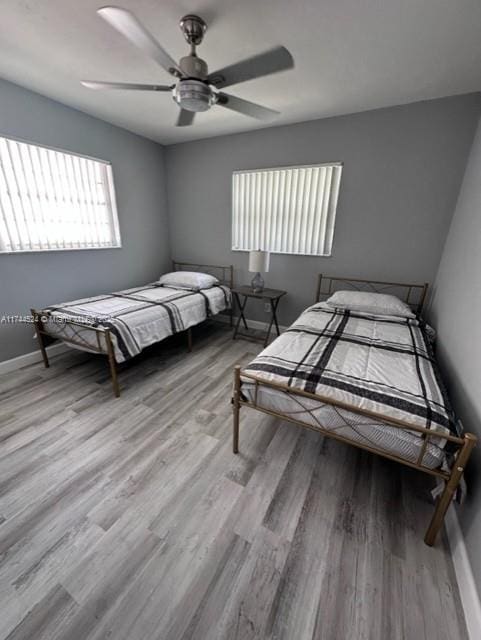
{"x":285,"y":210}
{"x":51,"y":200}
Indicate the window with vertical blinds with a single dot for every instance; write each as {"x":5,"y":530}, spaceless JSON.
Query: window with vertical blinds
{"x":286,"y":210}
{"x":51,"y":200}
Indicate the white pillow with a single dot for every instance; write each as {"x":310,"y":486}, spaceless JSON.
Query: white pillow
{"x":381,"y":304}
{"x":193,"y":280}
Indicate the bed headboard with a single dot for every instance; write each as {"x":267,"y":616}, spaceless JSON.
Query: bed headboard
{"x":412,"y":294}
{"x":225,"y":274}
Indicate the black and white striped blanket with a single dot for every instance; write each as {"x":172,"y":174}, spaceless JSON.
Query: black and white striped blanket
{"x":379,"y":364}
{"x":141,"y":316}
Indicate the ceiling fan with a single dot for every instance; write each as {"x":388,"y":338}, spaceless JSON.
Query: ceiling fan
{"x":195,"y":88}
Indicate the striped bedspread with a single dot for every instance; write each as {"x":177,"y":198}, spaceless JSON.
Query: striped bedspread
{"x":379,"y":364}
{"x":141,"y":316}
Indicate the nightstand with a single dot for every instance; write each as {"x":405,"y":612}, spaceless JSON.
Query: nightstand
{"x":268,"y":295}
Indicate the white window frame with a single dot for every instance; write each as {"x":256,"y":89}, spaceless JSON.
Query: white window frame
{"x":110,"y":195}
{"x":260,"y":233}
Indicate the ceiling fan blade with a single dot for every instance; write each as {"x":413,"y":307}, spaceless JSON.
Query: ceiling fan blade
{"x":244,"y":106}
{"x":125,"y":85}
{"x":128,"y":25}
{"x":185,"y":118}
{"x":263,"y":64}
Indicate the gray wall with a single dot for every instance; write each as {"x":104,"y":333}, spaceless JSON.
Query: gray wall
{"x":402,"y":171}
{"x":456,"y":313}
{"x":39,"y":279}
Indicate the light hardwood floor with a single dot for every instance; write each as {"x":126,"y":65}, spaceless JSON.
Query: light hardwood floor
{"x":130,"y":518}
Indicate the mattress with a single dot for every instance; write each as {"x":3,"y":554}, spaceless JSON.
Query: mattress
{"x":136,"y":318}
{"x":383,"y":365}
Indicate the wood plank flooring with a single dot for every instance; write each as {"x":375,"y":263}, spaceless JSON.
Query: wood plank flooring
{"x":130,"y":518}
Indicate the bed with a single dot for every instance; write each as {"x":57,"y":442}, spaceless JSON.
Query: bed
{"x":120,"y":325}
{"x":365,"y":379}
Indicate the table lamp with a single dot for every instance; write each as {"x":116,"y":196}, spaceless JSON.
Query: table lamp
{"x":258,"y":262}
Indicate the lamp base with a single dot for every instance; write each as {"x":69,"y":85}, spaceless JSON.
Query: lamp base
{"x":257,"y":283}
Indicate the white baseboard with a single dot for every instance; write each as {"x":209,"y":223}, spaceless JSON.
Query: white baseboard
{"x":59,"y":347}
{"x":31,"y":358}
{"x":253,"y":324}
{"x":464,"y":575}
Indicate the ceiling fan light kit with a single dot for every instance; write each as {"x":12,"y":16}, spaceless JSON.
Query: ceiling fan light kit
{"x":195,"y":90}
{"x":193,"y":95}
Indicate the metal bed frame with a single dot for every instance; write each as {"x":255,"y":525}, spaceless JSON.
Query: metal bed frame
{"x":103,"y":336}
{"x":415,"y":296}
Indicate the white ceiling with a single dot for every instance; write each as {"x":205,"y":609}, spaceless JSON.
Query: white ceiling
{"x":350,"y":55}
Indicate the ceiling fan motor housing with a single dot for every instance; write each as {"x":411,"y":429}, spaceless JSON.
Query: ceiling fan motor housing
{"x":194,"y":67}
{"x":194,"y":95}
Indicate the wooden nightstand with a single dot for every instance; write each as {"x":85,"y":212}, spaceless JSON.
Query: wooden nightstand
{"x":271,"y":295}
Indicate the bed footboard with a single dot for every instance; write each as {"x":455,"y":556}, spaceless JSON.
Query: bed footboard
{"x":463,"y":445}
{"x":450,"y":486}
{"x":102,"y":343}
{"x":40,"y":332}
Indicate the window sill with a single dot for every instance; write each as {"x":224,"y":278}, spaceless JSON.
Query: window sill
{"x":288,"y":253}
{"x":24,"y":251}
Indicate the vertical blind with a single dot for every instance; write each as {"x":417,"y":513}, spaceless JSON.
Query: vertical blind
{"x":52,"y":200}
{"x":285,"y":210}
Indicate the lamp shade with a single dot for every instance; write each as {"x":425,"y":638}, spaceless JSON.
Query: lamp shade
{"x":258,"y":261}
